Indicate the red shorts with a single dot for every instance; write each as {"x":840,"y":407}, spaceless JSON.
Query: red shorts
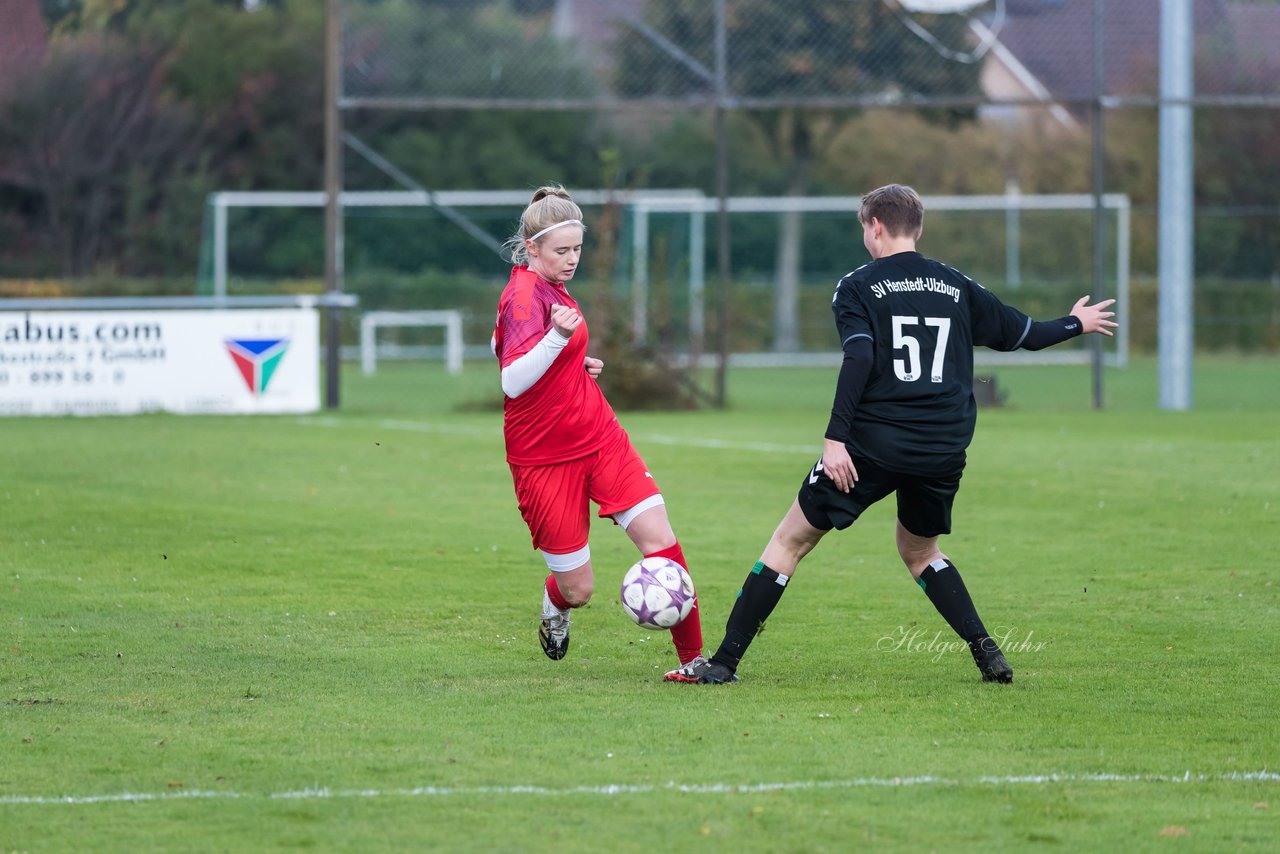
{"x":553,"y":498}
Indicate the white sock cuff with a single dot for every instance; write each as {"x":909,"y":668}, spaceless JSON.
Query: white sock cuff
{"x":625,"y":517}
{"x":566,"y":562}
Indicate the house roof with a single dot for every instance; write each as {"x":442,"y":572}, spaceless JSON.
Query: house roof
{"x":596,"y":26}
{"x":1257,"y":40}
{"x":24,"y":40}
{"x":1054,"y":41}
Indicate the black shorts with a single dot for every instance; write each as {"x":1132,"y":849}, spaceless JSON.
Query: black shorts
{"x":924,"y":503}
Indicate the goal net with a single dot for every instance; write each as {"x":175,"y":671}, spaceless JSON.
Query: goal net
{"x":787,"y":253}
{"x":655,"y":254}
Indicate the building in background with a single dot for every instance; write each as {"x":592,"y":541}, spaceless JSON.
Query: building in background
{"x":24,"y":41}
{"x":1044,"y":50}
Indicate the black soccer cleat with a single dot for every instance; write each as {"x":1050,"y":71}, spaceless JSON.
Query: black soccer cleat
{"x":700,"y":671}
{"x":991,"y":661}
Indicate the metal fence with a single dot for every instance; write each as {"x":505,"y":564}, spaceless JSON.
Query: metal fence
{"x":561,"y":54}
{"x":824,"y":83}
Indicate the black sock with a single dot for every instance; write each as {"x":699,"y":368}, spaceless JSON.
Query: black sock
{"x":756,"y":600}
{"x":945,"y":588}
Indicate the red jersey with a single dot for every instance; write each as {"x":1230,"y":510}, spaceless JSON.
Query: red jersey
{"x":564,"y":415}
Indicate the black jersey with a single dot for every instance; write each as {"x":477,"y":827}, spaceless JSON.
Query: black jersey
{"x":923,"y":318}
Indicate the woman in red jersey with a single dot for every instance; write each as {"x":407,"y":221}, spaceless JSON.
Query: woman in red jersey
{"x":564,"y":444}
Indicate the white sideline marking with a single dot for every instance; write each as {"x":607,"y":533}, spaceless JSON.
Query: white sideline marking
{"x":426,"y":427}
{"x":650,"y":438}
{"x":410,"y":426}
{"x":642,"y":789}
{"x":731,"y":445}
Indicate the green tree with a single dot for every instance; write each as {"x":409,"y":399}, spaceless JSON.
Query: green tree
{"x":255,"y":77}
{"x":95,"y":139}
{"x":467,"y":54}
{"x":792,"y":52}
{"x":145,"y":107}
{"x":458,"y":49}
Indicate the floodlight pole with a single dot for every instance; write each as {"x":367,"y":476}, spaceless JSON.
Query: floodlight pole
{"x":1177,"y":205}
{"x":333,"y":250}
{"x":1099,"y":164}
{"x":722,"y":204}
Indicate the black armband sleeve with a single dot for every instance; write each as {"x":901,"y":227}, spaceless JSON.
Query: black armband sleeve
{"x":1050,"y":332}
{"x":854,"y":370}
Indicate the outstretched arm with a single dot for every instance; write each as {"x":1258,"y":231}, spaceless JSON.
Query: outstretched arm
{"x":1094,"y":318}
{"x":1083,"y":318}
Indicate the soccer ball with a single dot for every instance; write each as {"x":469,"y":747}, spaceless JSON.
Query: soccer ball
{"x":657,"y":593}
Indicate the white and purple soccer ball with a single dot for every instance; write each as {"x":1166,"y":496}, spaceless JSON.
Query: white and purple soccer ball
{"x":657,"y":593}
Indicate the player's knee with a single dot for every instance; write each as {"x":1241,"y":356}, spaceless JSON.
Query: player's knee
{"x":577,"y":592}
{"x":795,"y":548}
{"x":917,"y":555}
{"x":653,"y":539}
{"x":918,"y":560}
{"x":916,"y":552}
{"x":647,"y":525}
{"x":574,"y":577}
{"x":797,"y":540}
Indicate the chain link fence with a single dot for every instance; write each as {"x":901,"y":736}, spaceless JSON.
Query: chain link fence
{"x":548,"y":54}
{"x":1000,"y":98}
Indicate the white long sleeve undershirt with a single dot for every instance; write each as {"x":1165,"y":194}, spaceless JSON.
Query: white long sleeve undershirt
{"x":520,"y":375}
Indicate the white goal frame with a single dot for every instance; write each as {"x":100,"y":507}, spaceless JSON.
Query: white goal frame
{"x":697,"y":205}
{"x":222,"y":202}
{"x":1011,"y":203}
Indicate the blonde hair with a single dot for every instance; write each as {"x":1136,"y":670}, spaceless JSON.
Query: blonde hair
{"x":550,"y":206}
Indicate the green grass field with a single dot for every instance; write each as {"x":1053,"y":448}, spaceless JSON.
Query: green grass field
{"x":256,"y":634}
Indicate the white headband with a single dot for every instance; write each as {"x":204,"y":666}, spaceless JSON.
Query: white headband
{"x":557,"y":225}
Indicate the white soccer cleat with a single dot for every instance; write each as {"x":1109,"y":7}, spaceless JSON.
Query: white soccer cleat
{"x":553,"y":632}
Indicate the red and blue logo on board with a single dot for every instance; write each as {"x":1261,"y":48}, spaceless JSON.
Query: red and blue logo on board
{"x":257,"y":360}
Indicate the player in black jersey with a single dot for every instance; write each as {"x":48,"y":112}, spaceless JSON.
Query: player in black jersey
{"x":903,"y":416}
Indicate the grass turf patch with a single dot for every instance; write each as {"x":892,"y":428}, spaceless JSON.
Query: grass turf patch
{"x":282,"y":632}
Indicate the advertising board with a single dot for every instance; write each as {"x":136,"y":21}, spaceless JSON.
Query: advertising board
{"x":219,"y":361}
